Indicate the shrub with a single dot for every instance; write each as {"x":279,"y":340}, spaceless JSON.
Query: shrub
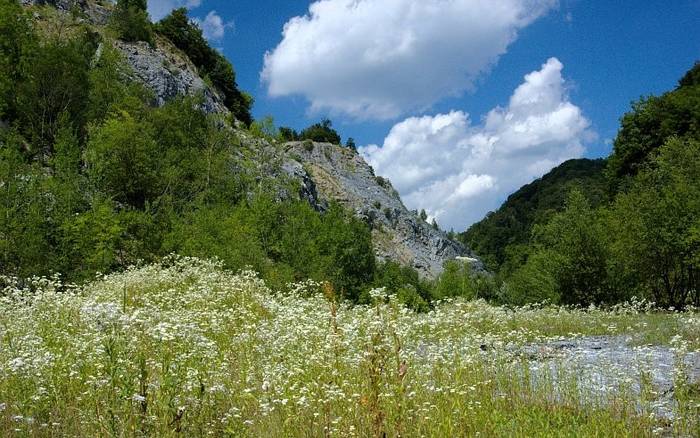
{"x":322,"y":132}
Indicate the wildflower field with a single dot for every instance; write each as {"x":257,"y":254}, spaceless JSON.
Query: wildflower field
{"x":185,"y":348}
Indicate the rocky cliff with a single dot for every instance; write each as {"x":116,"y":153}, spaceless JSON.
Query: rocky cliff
{"x":339,"y":174}
{"x":168,"y":73}
{"x":323,"y":172}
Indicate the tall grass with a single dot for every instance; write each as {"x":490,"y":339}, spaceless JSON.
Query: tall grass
{"x":184,"y":348}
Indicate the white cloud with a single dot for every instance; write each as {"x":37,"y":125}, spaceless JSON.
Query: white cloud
{"x":160,"y":8}
{"x":381,"y":58}
{"x":213,"y":26}
{"x":458,"y":171}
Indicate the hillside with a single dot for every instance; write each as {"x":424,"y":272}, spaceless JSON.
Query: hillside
{"x":146,"y":155}
{"x":501,"y":232}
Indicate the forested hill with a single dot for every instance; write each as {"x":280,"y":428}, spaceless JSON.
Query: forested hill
{"x":501,"y":233}
{"x":604,"y":231}
{"x":123,"y":141}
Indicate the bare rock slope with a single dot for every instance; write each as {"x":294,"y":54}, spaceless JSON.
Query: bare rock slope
{"x":339,"y":174}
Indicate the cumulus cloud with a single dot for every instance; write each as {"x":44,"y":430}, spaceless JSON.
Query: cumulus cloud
{"x":458,"y":171}
{"x":382,"y":58}
{"x":160,"y":8}
{"x":213,"y":26}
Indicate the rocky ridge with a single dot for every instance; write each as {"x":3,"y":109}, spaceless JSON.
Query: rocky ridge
{"x":340,"y":174}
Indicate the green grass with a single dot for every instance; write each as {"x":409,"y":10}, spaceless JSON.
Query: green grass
{"x":185,"y":348}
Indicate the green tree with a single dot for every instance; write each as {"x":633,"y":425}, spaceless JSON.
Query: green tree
{"x":576,"y":240}
{"x":288,"y":134}
{"x":18,"y":44}
{"x":123,"y":160}
{"x":26,"y":216}
{"x":90,"y":241}
{"x":350,"y":144}
{"x":534,"y":281}
{"x":405,"y":282}
{"x":219,"y":231}
{"x":57,"y":87}
{"x":456,"y":280}
{"x":655,"y":224}
{"x":131,"y":22}
{"x":265,"y":128}
{"x":652,"y":121}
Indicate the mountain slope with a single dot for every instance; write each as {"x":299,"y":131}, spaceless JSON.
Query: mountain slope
{"x":342,"y":175}
{"x":324,"y":173}
{"x":533,"y":203}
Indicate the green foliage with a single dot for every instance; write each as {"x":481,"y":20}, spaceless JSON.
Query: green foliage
{"x":55,"y":86}
{"x":534,"y":281}
{"x":350,"y":144}
{"x":496,"y":238}
{"x":122,"y":160}
{"x":131,"y":22}
{"x":577,"y":244}
{"x":288,"y":134}
{"x":90,"y":240}
{"x":26,"y":222}
{"x":459,"y":280}
{"x":187,"y":36}
{"x":222,"y":232}
{"x":656,"y":224}
{"x":265,"y":128}
{"x":322,"y":132}
{"x":654,"y":120}
{"x":405,"y":282}
{"x":17,"y":46}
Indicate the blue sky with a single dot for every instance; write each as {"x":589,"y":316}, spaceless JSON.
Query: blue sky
{"x":587,"y":60}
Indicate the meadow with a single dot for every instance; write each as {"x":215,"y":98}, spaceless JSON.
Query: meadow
{"x":186,"y":348}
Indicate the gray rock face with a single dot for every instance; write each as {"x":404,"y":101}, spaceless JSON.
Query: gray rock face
{"x":94,"y":12}
{"x":341,"y":175}
{"x":168,"y":73}
{"x":163,"y":69}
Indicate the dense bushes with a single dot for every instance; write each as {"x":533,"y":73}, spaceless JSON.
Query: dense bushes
{"x":131,"y":22}
{"x":188,"y":37}
{"x":321,"y":132}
